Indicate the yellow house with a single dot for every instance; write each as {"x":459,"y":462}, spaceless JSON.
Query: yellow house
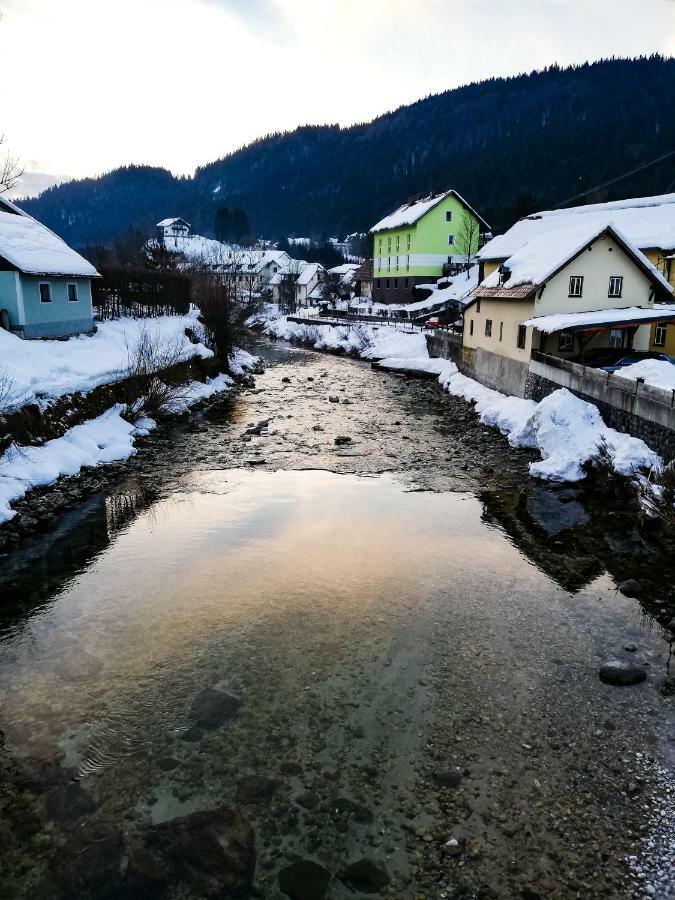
{"x":648,"y":222}
{"x":568,"y":293}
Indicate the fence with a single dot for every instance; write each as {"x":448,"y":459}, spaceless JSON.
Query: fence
{"x":123,"y":292}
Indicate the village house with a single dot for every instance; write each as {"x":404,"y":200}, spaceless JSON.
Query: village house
{"x":253,"y":270}
{"x":422,"y":241}
{"x":298,"y":284}
{"x":45,"y":286}
{"x":567,"y":293}
{"x":170,"y":231}
{"x":648,"y":222}
{"x":363,"y":280}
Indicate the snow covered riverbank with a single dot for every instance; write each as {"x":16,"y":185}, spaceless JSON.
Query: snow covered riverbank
{"x":566,"y":431}
{"x":45,"y":370}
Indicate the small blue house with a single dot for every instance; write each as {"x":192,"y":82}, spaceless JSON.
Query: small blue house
{"x":45,"y":286}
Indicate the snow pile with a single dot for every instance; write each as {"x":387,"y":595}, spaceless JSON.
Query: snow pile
{"x":241,"y":361}
{"x":200,"y":390}
{"x":46,"y":370}
{"x":102,"y":440}
{"x":657,"y":372}
{"x":603,"y":317}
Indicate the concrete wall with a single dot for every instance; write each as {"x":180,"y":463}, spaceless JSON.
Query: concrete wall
{"x":494,"y":370}
{"x":444,"y":345}
{"x":641,"y":410}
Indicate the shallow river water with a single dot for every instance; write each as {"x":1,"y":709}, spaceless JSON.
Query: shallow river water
{"x":386,"y":650}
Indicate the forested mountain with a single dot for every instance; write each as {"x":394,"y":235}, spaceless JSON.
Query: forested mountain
{"x":509,"y":145}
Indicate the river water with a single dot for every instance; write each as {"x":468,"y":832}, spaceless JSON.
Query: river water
{"x":385,"y":649}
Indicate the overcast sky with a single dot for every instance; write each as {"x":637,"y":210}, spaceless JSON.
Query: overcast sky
{"x":87,"y":85}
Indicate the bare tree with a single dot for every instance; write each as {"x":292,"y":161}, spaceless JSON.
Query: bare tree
{"x":468,"y":239}
{"x":11,"y":170}
{"x":148,"y":394}
{"x":332,"y":288}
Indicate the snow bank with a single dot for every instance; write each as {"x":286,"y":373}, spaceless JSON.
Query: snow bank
{"x":45,"y":370}
{"x":102,"y":440}
{"x":656,"y":372}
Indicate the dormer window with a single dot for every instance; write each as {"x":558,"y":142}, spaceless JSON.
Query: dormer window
{"x":576,"y":286}
{"x":615,"y":286}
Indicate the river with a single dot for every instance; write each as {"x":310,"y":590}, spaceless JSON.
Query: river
{"x":382,"y":649}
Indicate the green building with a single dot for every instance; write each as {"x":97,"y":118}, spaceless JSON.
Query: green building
{"x":419,"y":241}
{"x":45,"y":286}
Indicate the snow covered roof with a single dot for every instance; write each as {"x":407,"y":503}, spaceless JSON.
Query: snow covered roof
{"x":410,"y":213}
{"x":35,"y":250}
{"x":604,"y":318}
{"x":649,"y":222}
{"x":545,"y":255}
{"x":308,"y":272}
{"x":165,"y":223}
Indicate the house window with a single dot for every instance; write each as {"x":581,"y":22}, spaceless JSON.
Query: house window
{"x":389,"y":264}
{"x":616,"y":338}
{"x":397,"y":263}
{"x":398,"y":242}
{"x":576,"y":285}
{"x":501,"y":330}
{"x":389,"y":244}
{"x":387,"y":282}
{"x":379,"y":265}
{"x":488,"y":328}
{"x":615,"y":285}
{"x":72,"y":293}
{"x":565,"y":342}
{"x":407,"y":263}
{"x":395,"y":283}
{"x":660,"y":332}
{"x":448,"y":216}
{"x":409,"y":237}
{"x":522,"y":337}
{"x":380,"y":246}
{"x":45,"y":292}
{"x":471,"y":326}
{"x":451,"y":240}
{"x":477,"y":305}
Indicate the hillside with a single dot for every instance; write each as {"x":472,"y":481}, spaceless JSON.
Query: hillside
{"x":549,"y":134}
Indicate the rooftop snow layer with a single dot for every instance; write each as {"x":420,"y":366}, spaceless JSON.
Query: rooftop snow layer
{"x":543,"y":255}
{"x":410,"y":213}
{"x":35,"y":250}
{"x":649,"y":222}
{"x":602,"y":317}
{"x":166,"y":222}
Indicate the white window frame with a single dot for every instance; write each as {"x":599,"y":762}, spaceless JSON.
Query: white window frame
{"x":576,"y":281}
{"x":660,"y":334}
{"x":48,"y":285}
{"x":72,"y":284}
{"x":615,"y":280}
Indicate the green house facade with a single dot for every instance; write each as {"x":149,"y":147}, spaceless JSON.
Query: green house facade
{"x":45,"y":286}
{"x":414,"y":244}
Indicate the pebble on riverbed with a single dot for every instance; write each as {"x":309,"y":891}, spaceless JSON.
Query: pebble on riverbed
{"x":621,"y":673}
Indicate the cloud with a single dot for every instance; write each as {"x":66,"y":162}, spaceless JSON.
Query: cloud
{"x":263,"y":17}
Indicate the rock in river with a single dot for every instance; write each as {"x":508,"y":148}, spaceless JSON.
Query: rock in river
{"x":257,"y":788}
{"x":448,"y":778}
{"x":304,"y":880}
{"x":621,"y":673}
{"x":211,"y":708}
{"x":366,"y":876}
{"x":210,"y":853}
{"x":342,"y":439}
{"x":630,"y":588}
{"x":69,"y":801}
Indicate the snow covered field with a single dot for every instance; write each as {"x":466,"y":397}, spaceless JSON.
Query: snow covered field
{"x":46,"y":370}
{"x":564,"y":429}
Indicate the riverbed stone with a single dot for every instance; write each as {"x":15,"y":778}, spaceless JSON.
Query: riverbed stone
{"x":209,"y":853}
{"x":304,"y":880}
{"x":89,"y":859}
{"x":342,"y":439}
{"x":630,"y":588}
{"x":365,"y":875}
{"x":212,"y":708}
{"x":448,"y":778}
{"x":621,"y":673}
{"x":68,"y":802}
{"x":257,"y":789}
{"x":347,"y":808}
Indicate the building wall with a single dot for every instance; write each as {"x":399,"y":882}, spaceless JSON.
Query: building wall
{"x":505,"y":316}
{"x":417,"y":251}
{"x":61,"y":317}
{"x":9,"y":297}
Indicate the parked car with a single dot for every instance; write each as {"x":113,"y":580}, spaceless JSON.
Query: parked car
{"x":433,"y":322}
{"x":633,"y":358}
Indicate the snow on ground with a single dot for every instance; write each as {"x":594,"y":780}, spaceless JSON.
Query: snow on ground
{"x":656,"y":372}
{"x":566,"y":430}
{"x":45,"y":370}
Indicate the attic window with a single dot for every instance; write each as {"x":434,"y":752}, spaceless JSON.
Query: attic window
{"x":615,"y":285}
{"x":448,"y":216}
{"x":576,"y":285}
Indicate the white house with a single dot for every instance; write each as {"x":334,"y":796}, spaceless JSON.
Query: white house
{"x":298,"y":283}
{"x":169,"y":231}
{"x":566,"y":293}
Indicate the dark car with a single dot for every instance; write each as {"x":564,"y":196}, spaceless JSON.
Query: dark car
{"x":633,"y":358}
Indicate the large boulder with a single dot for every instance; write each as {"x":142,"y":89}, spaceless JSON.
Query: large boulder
{"x":211,"y":853}
{"x":304,"y":880}
{"x":365,"y":876}
{"x":621,"y":673}
{"x":212,"y":708}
